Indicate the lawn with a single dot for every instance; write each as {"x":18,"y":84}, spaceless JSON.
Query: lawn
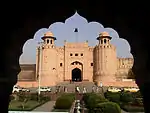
{"x":28,"y":106}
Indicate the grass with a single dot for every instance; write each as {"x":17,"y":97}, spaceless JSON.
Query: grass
{"x":28,"y":106}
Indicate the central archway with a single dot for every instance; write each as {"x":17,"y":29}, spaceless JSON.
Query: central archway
{"x":76,"y":75}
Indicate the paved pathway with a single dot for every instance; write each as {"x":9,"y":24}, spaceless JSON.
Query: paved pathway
{"x":47,"y":107}
{"x":123,"y":111}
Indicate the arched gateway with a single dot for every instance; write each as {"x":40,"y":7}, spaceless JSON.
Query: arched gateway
{"x":76,"y":75}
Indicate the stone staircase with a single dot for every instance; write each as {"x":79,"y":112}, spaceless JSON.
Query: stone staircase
{"x":71,"y":86}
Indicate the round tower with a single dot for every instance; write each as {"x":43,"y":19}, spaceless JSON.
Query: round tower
{"x":48,"y":60}
{"x":106,"y":59}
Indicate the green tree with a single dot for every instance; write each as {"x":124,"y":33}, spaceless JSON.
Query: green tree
{"x":131,"y":75}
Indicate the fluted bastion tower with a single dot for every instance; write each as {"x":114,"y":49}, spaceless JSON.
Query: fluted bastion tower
{"x":47,"y":60}
{"x":105,"y":59}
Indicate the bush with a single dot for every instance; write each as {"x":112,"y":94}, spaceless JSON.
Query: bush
{"x":21,"y":96}
{"x":34,"y":96}
{"x":41,"y":97}
{"x":137,"y":94}
{"x":126,"y":97}
{"x":65,"y":101}
{"x":85,"y":97}
{"x":69,"y":95}
{"x":92,"y":99}
{"x":112,"y":96}
{"x":131,"y":108}
{"x":44,"y":97}
{"x":138,"y":102}
{"x":107,"y":107}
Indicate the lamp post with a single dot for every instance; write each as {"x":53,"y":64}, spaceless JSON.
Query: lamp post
{"x":55,"y":75}
{"x":39,"y":78}
{"x":39,"y":83}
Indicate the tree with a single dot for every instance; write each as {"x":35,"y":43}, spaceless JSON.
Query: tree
{"x":131,"y":75}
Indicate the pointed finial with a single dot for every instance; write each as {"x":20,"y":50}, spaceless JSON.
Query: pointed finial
{"x":76,"y":30}
{"x":76,"y":12}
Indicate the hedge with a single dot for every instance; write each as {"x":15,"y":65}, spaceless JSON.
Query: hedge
{"x":92,"y":99}
{"x":130,"y":108}
{"x":106,"y":107}
{"x":65,"y":101}
{"x":126,"y":97}
{"x":112,"y":96}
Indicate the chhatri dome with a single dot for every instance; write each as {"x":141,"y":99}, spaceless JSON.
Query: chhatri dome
{"x":104,"y":34}
{"x":48,"y":34}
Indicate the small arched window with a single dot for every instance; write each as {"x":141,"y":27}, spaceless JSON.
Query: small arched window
{"x":101,"y":41}
{"x":76,"y":54}
{"x":47,"y":41}
{"x":105,"y":41}
{"x":51,"y":41}
{"x":108,"y":41}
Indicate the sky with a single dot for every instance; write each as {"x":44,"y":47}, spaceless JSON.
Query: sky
{"x":65,"y":31}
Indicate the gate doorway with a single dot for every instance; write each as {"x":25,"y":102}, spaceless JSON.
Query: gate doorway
{"x":76,"y":75}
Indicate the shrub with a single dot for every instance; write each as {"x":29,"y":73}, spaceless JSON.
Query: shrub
{"x":130,"y":108}
{"x":92,"y":99}
{"x":107,"y":107}
{"x":63,"y":103}
{"x":137,"y":94}
{"x":21,"y":96}
{"x":112,"y":96}
{"x":138,"y":102}
{"x":34,"y":96}
{"x":85,"y":97}
{"x":126,"y":97}
{"x":44,"y":97}
{"x":69,"y":95}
